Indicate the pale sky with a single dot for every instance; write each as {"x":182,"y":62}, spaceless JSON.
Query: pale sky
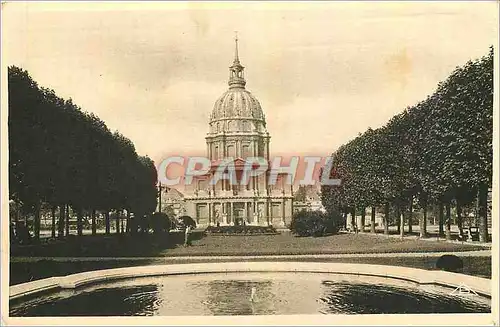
{"x":323,"y":72}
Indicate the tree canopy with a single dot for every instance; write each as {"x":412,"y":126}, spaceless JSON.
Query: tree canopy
{"x":439,"y":149}
{"x":59,"y":154}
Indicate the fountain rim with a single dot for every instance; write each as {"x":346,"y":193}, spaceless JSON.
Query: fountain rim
{"x":479,"y":285}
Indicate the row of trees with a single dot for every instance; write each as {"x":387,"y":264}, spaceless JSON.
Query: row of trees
{"x":64,"y":157}
{"x":437,"y":152}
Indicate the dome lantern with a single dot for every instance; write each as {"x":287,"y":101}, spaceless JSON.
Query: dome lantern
{"x":236,"y":70}
{"x":237,"y":104}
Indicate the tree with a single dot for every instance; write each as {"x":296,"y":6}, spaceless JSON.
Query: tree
{"x":59,"y":155}
{"x":438,"y":151}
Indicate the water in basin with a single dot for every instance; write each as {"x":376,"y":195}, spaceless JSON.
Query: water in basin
{"x":251,"y":294}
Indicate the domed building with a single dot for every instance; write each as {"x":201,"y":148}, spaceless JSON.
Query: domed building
{"x":237,"y":130}
{"x":237,"y":126}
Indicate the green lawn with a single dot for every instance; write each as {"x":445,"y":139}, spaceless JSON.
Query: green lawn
{"x":162,"y":250}
{"x":285,"y":243}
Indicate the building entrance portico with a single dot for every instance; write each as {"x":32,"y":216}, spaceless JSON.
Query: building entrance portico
{"x":242,"y":212}
{"x":240,"y":217}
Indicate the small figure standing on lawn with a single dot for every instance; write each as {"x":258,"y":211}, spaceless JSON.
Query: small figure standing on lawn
{"x":253,"y":295}
{"x":217,"y":217}
{"x":187,"y":232}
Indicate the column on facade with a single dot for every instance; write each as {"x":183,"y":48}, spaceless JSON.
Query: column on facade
{"x":267,"y":147}
{"x":231,"y":212}
{"x":254,"y":212}
{"x":224,"y":212}
{"x":209,"y":213}
{"x":254,"y":146}
{"x":283,"y":211}
{"x":246,"y":213}
{"x":218,"y":152}
{"x":250,"y":214}
{"x":269,"y":212}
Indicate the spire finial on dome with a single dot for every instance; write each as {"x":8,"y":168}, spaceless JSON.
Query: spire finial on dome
{"x":236,"y":57}
{"x":236,"y":75}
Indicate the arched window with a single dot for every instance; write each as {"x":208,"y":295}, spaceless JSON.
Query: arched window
{"x":230,"y":151}
{"x":245,"y":150}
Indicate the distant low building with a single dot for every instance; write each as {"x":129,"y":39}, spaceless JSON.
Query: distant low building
{"x":307,"y":197}
{"x":172,"y":202}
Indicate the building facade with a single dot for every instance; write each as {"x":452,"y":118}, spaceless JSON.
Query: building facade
{"x":236,"y":131}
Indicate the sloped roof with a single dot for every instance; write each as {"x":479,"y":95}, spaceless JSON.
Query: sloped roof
{"x":307,"y":193}
{"x":173,"y":194}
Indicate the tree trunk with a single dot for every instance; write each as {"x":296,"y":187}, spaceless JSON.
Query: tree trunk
{"x":353,"y":220}
{"x":36,"y":226}
{"x":460,"y":220}
{"x":386,"y":219}
{"x":60,"y":225}
{"x":127,"y":227}
{"x":441,"y":218}
{"x":107,"y":222}
{"x":79,"y":222}
{"x":448,"y":221}
{"x":410,"y":216}
{"x":94,"y":229}
{"x":423,"y":222}
{"x":362,"y":223}
{"x":66,"y":212}
{"x":401,"y":221}
{"x":118,"y":222}
{"x":482,"y":209}
{"x":53,"y":222}
{"x":16,"y":215}
{"x":372,"y":221}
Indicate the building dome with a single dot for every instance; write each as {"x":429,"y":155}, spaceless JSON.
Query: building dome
{"x":237,"y":110}
{"x":237,"y":103}
{"x":237,"y":123}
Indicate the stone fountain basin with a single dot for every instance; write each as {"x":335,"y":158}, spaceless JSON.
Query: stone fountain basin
{"x":481,"y":286}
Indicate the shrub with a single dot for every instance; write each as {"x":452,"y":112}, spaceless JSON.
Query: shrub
{"x":314,"y":223}
{"x":241,"y":230}
{"x":450,"y":262}
{"x":159,"y":222}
